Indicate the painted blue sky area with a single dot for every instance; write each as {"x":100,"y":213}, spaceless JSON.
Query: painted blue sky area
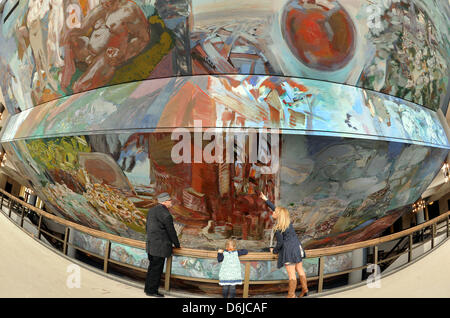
{"x":394,"y":149}
{"x":357,"y":106}
{"x":147,"y":8}
{"x":20,"y":10}
{"x":8,"y":48}
{"x":363,"y":225}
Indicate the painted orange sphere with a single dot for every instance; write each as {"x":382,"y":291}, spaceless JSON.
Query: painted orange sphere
{"x":322,"y":36}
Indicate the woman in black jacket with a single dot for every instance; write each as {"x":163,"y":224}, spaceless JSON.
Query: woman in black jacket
{"x":289,"y":249}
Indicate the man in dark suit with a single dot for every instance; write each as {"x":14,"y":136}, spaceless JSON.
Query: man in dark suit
{"x":161,"y":235}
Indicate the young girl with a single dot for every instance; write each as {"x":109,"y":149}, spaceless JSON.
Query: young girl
{"x":289,"y":249}
{"x":230,"y":271}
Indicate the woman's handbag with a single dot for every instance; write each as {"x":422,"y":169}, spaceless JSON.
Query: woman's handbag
{"x":302,"y":251}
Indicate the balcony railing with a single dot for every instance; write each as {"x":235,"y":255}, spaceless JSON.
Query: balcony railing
{"x":431,"y":227}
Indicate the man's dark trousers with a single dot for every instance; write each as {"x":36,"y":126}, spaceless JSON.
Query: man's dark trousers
{"x":161,"y":235}
{"x":155,"y":269}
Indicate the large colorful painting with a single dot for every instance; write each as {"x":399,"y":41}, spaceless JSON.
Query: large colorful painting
{"x":338,"y":190}
{"x":54,"y":48}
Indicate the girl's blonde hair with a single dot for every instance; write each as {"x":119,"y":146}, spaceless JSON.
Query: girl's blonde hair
{"x":283,"y":219}
{"x":230,"y":244}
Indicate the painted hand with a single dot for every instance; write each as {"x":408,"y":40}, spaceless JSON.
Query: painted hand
{"x":262,"y":196}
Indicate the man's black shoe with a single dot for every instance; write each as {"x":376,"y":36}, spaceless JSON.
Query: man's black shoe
{"x":155,"y":294}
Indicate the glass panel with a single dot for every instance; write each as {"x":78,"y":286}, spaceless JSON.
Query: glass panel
{"x":259,"y":270}
{"x":337,"y":263}
{"x":129,"y":255}
{"x":89,"y":243}
{"x":196,"y":267}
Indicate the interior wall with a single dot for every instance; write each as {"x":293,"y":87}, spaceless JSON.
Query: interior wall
{"x":443,"y":204}
{"x":408,"y":220}
{"x":15,"y":188}
{"x":3,"y":179}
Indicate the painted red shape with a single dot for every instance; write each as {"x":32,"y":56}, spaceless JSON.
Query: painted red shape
{"x":322,"y":36}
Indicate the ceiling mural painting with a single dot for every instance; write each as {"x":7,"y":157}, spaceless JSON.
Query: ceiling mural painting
{"x":55,"y":48}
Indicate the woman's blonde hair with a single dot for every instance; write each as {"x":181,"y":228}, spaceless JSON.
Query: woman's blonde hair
{"x":230,"y":244}
{"x":283,"y":219}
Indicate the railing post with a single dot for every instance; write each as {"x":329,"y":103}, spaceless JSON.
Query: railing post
{"x":1,"y":203}
{"x":246,"y":280}
{"x":433,"y":234}
{"x":22,"y":215}
{"x":410,"y":248}
{"x":448,"y":228}
{"x":66,"y":239}
{"x":105,"y":262}
{"x":9,"y":207}
{"x":168,"y":273}
{"x":39,"y":227}
{"x":375,"y":255}
{"x":321,"y":270}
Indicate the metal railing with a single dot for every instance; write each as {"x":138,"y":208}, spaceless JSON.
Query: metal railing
{"x":22,"y":208}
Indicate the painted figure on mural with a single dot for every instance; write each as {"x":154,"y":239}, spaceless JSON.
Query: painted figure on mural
{"x":120,"y":31}
{"x":55,"y":27}
{"x":6,"y":78}
{"x":37,"y":9}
